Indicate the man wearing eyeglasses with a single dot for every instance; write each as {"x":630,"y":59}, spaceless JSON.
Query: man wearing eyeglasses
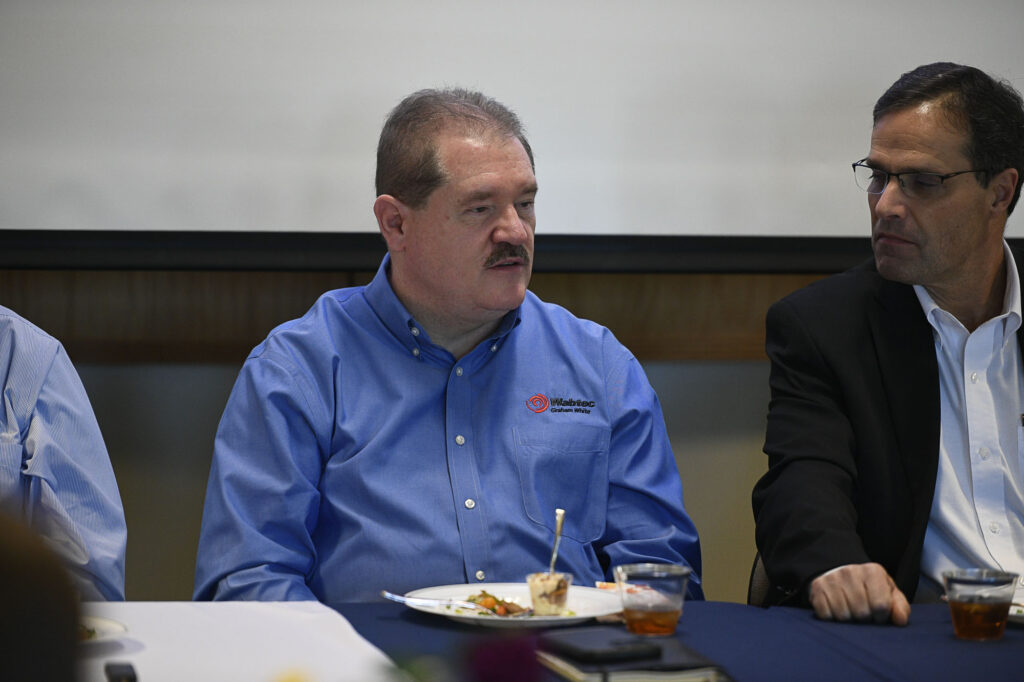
{"x":895,"y":432}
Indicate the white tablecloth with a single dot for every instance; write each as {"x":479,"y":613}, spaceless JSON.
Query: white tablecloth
{"x":228,"y":641}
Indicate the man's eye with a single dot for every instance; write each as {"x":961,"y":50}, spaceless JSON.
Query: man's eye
{"x":877,"y":180}
{"x":925,"y":181}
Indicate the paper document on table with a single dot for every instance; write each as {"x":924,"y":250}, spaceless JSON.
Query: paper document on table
{"x":259,"y":641}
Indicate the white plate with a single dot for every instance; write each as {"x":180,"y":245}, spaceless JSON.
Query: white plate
{"x":582,"y":604}
{"x":1016,"y":614}
{"x":102,"y":629}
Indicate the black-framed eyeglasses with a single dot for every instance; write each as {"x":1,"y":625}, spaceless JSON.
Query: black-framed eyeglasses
{"x":914,"y":184}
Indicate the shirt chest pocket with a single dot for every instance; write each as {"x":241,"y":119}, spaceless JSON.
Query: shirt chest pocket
{"x":565,"y":467}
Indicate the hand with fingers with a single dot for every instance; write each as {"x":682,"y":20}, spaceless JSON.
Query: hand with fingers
{"x":859,"y":592}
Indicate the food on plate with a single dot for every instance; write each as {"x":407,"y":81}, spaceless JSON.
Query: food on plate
{"x":499,"y":607}
{"x":548,"y":592}
{"x":85,"y":633}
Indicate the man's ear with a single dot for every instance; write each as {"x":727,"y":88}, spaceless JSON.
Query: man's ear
{"x":392,"y":216}
{"x":1004,"y":184}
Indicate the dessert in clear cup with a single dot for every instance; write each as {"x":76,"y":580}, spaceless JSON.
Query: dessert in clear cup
{"x":548,"y":592}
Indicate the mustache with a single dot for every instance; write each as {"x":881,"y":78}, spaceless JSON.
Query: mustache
{"x":505,"y":250}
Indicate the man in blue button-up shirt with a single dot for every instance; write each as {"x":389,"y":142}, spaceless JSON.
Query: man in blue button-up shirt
{"x":55,"y":474}
{"x":422,"y":430}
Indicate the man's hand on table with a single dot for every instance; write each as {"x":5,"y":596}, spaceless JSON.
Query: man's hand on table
{"x":859,"y":592}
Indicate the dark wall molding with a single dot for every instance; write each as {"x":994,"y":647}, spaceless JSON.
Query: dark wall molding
{"x":318,"y":251}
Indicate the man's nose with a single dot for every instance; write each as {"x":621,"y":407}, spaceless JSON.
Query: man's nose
{"x":511,"y":227}
{"x":892,"y":200}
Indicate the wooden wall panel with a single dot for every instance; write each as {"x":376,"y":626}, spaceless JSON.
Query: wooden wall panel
{"x":161,"y":316}
{"x":218,"y":316}
{"x":675,"y":316}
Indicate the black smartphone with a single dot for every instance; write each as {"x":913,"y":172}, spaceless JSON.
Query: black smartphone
{"x":120,"y":672}
{"x":598,"y":645}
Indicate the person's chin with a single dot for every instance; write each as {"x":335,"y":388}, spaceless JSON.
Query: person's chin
{"x":895,"y":269}
{"x":507,"y":300}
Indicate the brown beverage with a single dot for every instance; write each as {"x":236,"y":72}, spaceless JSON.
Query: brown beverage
{"x":641,"y":622}
{"x":979,"y":620}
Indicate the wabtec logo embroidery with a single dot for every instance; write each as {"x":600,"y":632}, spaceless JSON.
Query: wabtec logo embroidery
{"x":540,"y":403}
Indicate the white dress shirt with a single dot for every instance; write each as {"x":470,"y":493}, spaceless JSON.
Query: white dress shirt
{"x":977,"y":515}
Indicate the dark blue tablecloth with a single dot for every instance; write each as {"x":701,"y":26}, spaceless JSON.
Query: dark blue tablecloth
{"x":748,"y":642}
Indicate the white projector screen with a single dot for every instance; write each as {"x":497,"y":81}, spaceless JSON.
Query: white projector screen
{"x":647,"y":117}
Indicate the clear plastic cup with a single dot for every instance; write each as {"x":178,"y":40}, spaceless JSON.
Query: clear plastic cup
{"x":549,"y":592}
{"x":652,"y":596}
{"x":979,"y":601}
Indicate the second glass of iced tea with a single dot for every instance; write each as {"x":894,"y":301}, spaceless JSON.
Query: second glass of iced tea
{"x":979,"y":601}
{"x":652,"y":596}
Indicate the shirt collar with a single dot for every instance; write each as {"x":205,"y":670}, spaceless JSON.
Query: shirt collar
{"x":403,"y":325}
{"x":1011,"y":302}
{"x":1011,"y":313}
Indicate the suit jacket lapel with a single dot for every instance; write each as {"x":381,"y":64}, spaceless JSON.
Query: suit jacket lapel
{"x":906,"y":356}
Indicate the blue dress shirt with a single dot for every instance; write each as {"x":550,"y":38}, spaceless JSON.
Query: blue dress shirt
{"x":54,"y":471}
{"x":354,"y":455}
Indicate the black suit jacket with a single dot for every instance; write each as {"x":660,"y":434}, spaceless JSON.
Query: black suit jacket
{"x":852,"y":435}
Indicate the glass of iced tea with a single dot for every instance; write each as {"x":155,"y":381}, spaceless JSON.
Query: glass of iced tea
{"x":979,"y":601}
{"x":652,"y":596}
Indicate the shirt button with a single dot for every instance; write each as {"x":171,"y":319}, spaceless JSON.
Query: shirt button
{"x":458,"y":371}
{"x":415,"y":331}
{"x":480,"y":575}
{"x":974,"y":377}
{"x":459,"y":440}
{"x":416,"y":352}
{"x":994,"y":527}
{"x":494,"y":348}
{"x":470,"y":503}
{"x":983,"y":452}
